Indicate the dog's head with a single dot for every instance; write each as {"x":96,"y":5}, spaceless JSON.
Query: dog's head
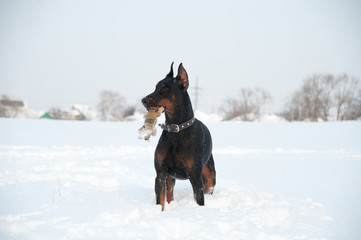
{"x":169,"y":91}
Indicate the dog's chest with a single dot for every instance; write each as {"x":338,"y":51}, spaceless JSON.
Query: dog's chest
{"x":179,"y":163}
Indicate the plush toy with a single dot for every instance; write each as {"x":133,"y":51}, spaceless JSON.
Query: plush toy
{"x":149,"y":123}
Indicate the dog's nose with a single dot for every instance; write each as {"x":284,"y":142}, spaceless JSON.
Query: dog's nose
{"x":145,"y":101}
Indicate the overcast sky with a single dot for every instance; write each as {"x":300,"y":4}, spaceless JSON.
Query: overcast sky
{"x":58,"y":53}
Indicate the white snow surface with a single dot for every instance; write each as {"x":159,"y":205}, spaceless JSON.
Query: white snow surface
{"x":95,"y":180}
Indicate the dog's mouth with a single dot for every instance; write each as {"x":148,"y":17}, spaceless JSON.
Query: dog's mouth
{"x":151,"y":103}
{"x":159,"y":107}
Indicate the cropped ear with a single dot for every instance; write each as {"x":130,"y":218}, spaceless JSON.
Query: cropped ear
{"x":182,"y":77}
{"x":170,"y":74}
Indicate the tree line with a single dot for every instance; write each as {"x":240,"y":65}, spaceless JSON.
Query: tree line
{"x":111,"y":107}
{"x":321,"y":94}
{"x":319,"y":97}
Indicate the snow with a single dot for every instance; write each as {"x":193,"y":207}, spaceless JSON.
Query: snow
{"x":204,"y":117}
{"x":95,"y":180}
{"x":25,"y":112}
{"x":270,"y":118}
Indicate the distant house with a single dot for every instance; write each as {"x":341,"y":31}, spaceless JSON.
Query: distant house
{"x":11,"y":108}
{"x":46,"y":116}
{"x":12,"y":103}
{"x":80,"y":112}
{"x":75,"y":114}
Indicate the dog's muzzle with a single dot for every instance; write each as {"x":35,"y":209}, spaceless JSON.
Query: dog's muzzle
{"x":145,"y":102}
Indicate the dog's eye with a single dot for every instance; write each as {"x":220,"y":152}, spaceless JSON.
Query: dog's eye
{"x":164,"y":89}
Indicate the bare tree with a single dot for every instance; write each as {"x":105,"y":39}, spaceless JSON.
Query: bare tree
{"x":230,"y":108}
{"x":328,"y":83}
{"x":111,"y":106}
{"x":247,"y":105}
{"x":295,"y":109}
{"x":354,"y":109}
{"x":306,"y":102}
{"x":319,"y":94}
{"x":314,"y":99}
{"x":3,"y":109}
{"x":345,"y":93}
{"x":311,"y":96}
{"x":129,"y":111}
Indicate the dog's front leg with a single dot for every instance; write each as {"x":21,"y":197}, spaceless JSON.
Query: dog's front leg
{"x":198,"y":192}
{"x":160,"y":181}
{"x":170,"y":188}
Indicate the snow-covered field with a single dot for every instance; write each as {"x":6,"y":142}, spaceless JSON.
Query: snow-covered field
{"x":95,"y":180}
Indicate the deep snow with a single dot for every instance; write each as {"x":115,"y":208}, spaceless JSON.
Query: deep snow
{"x":95,"y":180}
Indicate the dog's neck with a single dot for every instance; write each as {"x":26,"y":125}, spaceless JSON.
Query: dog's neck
{"x":182,"y":112}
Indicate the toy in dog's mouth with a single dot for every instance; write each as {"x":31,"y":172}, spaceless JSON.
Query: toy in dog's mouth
{"x":157,"y":107}
{"x":162,"y":108}
{"x":148,"y":129}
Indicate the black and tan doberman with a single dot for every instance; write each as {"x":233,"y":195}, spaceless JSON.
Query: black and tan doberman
{"x":184,"y":150}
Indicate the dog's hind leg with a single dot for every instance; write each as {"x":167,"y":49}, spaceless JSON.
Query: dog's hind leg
{"x":209,"y":176}
{"x":170,"y":188}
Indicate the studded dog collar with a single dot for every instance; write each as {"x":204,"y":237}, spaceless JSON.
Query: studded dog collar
{"x":174,"y":128}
